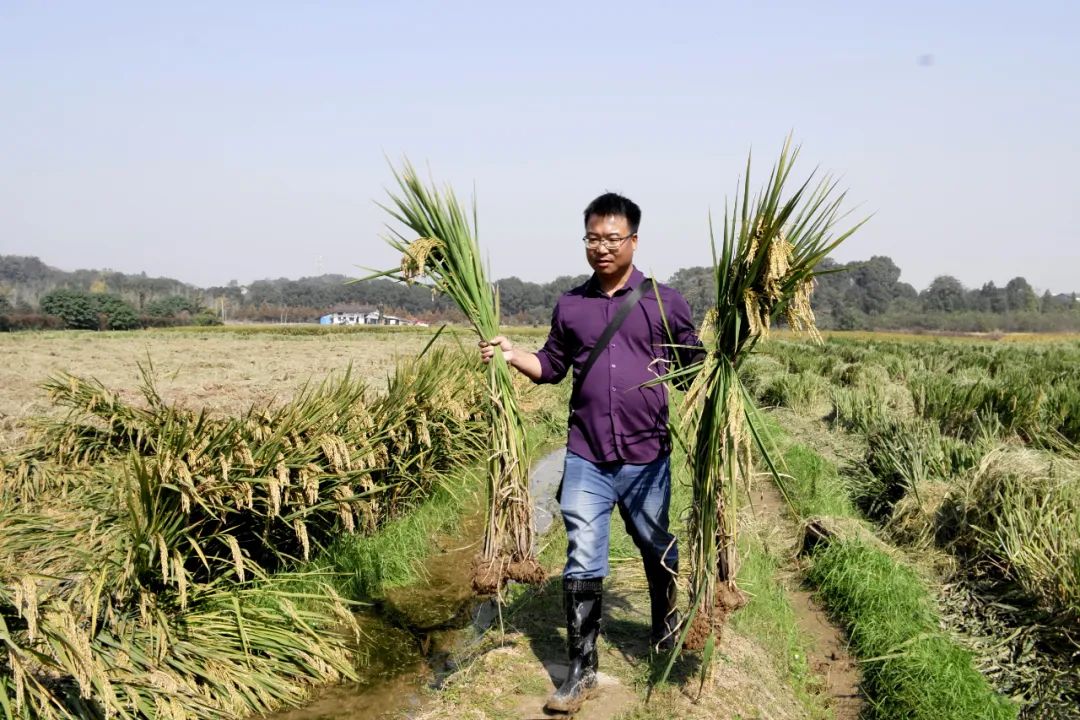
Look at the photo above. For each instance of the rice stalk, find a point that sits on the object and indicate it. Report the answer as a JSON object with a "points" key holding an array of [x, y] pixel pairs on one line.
{"points": [[442, 250], [764, 271]]}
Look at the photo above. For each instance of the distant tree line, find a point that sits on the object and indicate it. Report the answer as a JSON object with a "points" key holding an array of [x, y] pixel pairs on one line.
{"points": [[868, 295], [34, 295], [860, 295], [306, 299]]}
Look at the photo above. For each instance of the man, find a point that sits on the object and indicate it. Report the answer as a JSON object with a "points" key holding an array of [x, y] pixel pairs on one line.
{"points": [[618, 442]]}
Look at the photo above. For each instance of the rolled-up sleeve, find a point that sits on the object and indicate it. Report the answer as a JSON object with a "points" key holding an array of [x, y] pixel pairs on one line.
{"points": [[554, 356]]}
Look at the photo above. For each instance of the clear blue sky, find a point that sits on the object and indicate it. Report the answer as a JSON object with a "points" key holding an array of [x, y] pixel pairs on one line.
{"points": [[217, 141]]}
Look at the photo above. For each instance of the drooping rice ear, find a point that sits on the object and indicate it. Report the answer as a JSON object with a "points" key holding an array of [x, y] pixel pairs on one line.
{"points": [[414, 260], [799, 314]]}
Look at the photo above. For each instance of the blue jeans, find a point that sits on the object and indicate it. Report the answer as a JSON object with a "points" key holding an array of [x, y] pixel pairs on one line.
{"points": [[643, 494]]}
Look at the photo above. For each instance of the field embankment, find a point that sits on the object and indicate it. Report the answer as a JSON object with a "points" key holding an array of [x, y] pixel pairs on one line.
{"points": [[765, 664]]}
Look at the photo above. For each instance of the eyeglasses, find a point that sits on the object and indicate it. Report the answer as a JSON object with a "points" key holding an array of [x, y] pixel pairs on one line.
{"points": [[611, 242]]}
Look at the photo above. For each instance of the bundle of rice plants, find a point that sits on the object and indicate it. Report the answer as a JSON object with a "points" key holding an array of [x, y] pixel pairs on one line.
{"points": [[804, 392], [442, 248], [763, 270], [900, 458], [864, 374], [73, 650], [1020, 515]]}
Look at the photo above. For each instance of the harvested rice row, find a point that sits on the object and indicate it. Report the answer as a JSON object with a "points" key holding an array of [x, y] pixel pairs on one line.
{"points": [[144, 573]]}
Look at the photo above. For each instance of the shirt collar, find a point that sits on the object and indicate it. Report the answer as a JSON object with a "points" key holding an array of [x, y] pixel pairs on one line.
{"points": [[636, 278]]}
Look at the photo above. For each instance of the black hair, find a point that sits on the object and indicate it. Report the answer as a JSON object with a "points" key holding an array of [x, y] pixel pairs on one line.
{"points": [[617, 205]]}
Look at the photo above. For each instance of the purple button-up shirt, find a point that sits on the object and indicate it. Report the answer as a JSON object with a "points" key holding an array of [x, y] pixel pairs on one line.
{"points": [[612, 416]]}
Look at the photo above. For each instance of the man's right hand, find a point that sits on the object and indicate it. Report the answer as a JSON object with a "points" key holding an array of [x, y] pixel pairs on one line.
{"points": [[487, 348]]}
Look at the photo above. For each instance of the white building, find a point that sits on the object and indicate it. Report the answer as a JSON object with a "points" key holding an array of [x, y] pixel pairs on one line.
{"points": [[362, 316]]}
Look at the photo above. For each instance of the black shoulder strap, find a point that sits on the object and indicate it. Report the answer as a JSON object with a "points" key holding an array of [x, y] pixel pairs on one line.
{"points": [[609, 332]]}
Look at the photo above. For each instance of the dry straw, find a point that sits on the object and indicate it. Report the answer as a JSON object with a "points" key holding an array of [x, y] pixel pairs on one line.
{"points": [[442, 248], [763, 271]]}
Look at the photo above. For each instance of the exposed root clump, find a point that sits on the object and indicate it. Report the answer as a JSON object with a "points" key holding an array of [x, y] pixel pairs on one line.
{"points": [[526, 571], [711, 622], [489, 576]]}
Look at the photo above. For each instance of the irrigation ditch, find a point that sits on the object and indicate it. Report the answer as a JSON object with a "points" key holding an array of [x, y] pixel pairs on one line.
{"points": [[413, 635]]}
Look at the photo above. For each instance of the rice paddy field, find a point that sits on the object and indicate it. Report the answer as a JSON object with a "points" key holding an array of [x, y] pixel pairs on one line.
{"points": [[225, 369], [190, 520]]}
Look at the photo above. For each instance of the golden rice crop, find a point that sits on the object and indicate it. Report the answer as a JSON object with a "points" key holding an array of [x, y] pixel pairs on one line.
{"points": [[144, 570]]}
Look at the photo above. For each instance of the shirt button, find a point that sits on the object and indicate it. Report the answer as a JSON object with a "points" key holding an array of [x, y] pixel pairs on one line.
{"points": [[613, 365]]}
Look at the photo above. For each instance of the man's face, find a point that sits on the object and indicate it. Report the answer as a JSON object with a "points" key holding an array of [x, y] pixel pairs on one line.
{"points": [[613, 230]]}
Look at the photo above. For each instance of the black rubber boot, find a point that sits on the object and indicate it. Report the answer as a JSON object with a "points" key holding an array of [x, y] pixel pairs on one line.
{"points": [[582, 600], [665, 616]]}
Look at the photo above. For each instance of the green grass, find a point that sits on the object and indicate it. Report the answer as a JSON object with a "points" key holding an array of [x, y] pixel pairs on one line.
{"points": [[911, 670], [812, 483], [365, 567]]}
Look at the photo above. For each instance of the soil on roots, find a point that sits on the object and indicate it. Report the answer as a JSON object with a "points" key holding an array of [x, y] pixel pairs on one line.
{"points": [[488, 576], [711, 621], [526, 571]]}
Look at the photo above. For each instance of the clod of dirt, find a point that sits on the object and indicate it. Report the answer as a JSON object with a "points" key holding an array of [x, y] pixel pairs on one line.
{"points": [[708, 622], [699, 631], [822, 529], [488, 576], [815, 533], [526, 571]]}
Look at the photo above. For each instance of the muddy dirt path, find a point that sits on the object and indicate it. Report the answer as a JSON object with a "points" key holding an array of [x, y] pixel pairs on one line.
{"points": [[829, 656]]}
